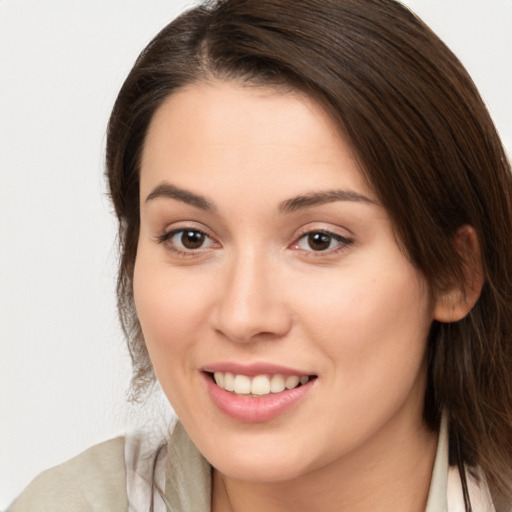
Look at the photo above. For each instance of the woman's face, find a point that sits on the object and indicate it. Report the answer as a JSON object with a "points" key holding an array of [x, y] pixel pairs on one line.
{"points": [[264, 258]]}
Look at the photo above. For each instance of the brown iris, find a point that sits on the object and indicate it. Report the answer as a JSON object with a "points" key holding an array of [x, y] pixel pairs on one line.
{"points": [[319, 241], [192, 239]]}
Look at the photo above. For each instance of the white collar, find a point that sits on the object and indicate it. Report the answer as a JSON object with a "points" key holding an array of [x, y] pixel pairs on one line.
{"points": [[445, 493]]}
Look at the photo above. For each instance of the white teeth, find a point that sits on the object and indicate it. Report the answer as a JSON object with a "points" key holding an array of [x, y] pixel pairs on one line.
{"points": [[291, 382], [219, 379], [229, 382], [242, 385], [259, 385], [277, 384], [304, 379]]}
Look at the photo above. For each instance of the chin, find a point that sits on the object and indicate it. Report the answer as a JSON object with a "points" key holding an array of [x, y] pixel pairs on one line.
{"points": [[260, 471], [262, 459]]}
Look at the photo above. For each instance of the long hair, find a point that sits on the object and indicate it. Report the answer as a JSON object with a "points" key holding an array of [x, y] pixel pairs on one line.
{"points": [[424, 141]]}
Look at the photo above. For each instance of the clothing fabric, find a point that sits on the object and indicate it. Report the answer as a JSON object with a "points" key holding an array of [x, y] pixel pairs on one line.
{"points": [[141, 474]]}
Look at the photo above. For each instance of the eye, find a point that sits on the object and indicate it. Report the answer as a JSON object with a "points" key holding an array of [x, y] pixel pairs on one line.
{"points": [[322, 241], [186, 240], [189, 239]]}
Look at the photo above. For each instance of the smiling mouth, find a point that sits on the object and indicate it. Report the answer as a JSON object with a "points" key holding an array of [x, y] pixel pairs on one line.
{"points": [[259, 385]]}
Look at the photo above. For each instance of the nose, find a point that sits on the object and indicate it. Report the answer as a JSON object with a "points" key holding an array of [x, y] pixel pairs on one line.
{"points": [[251, 302]]}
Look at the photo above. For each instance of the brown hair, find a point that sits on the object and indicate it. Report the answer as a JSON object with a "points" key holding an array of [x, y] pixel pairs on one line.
{"points": [[424, 140]]}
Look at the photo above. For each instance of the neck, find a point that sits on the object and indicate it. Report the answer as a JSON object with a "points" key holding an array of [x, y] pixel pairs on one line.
{"points": [[392, 472]]}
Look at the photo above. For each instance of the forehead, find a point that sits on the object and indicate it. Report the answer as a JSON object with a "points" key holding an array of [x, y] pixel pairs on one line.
{"points": [[224, 130]]}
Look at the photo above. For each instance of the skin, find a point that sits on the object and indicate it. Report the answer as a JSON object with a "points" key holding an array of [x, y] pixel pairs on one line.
{"points": [[356, 314]]}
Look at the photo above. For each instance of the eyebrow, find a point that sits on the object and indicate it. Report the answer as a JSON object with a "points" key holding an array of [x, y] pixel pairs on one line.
{"points": [[185, 196], [291, 205], [318, 198]]}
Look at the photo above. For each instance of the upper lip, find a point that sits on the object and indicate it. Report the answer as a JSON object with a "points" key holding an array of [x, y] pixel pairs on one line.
{"points": [[253, 369]]}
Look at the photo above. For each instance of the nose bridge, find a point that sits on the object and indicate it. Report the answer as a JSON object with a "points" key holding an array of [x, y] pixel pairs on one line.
{"points": [[250, 304]]}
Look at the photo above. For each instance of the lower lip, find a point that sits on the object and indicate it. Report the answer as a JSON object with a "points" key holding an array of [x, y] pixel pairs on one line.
{"points": [[255, 409]]}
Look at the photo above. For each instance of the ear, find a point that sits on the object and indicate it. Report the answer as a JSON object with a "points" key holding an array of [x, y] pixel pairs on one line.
{"points": [[456, 302]]}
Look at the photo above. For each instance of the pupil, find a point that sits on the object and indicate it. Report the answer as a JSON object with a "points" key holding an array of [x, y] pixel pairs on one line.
{"points": [[319, 241], [192, 239]]}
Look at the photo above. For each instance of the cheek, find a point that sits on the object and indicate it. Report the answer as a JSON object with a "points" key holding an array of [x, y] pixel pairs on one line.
{"points": [[373, 331], [372, 325], [167, 307]]}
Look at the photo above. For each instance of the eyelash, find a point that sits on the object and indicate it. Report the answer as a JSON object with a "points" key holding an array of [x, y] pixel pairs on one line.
{"points": [[343, 242], [166, 239]]}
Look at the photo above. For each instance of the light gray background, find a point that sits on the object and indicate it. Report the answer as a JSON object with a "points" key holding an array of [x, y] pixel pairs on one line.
{"points": [[63, 366]]}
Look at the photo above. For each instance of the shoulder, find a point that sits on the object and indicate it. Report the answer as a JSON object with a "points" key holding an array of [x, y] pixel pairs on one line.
{"points": [[93, 481]]}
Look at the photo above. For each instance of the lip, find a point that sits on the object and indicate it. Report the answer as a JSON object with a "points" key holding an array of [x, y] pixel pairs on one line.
{"points": [[256, 409], [254, 369]]}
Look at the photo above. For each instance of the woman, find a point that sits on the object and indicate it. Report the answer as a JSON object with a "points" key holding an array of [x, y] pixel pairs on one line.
{"points": [[315, 216]]}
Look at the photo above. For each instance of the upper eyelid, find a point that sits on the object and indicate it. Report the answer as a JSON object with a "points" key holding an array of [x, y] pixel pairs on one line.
{"points": [[186, 225], [315, 227], [333, 234]]}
